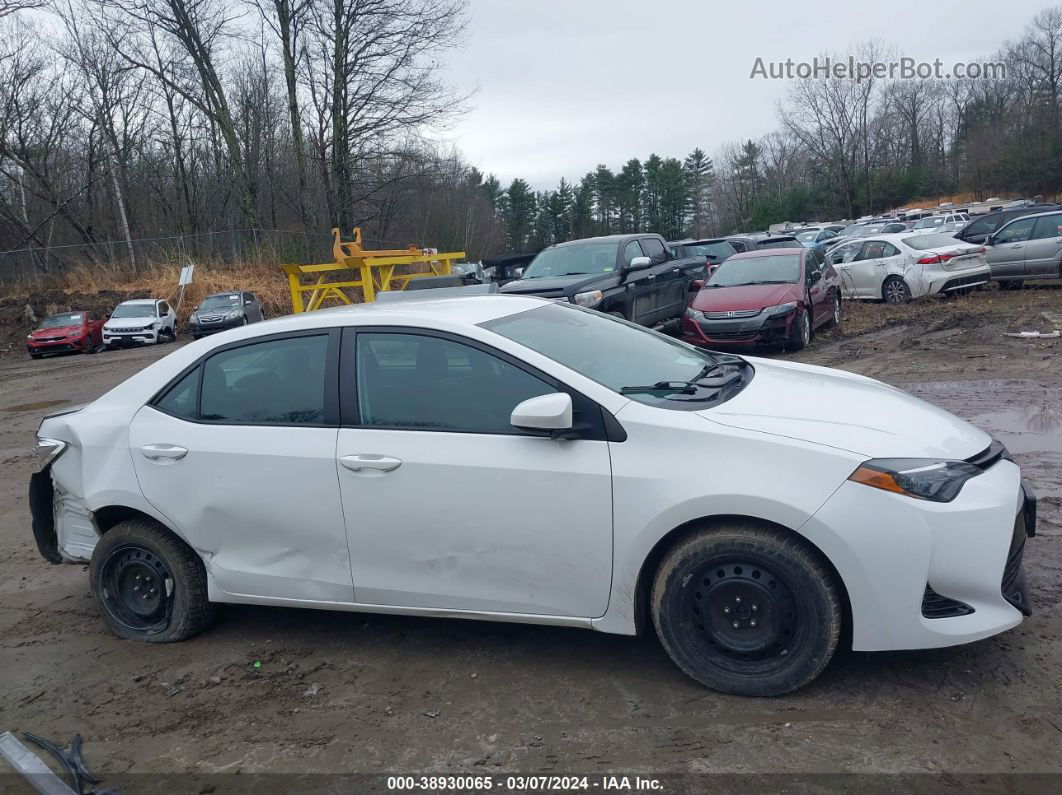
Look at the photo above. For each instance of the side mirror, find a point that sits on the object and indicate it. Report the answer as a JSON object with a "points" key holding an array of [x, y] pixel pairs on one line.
{"points": [[518, 272], [552, 412], [990, 239], [696, 285]]}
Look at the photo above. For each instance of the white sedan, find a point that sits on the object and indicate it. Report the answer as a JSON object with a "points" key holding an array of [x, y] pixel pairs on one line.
{"points": [[513, 459], [896, 268]]}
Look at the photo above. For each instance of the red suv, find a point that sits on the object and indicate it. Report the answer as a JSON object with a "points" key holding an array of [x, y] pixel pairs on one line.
{"points": [[70, 331], [766, 297]]}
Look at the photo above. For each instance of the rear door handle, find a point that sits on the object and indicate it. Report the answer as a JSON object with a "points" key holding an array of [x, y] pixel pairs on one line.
{"points": [[357, 463], [155, 452]]}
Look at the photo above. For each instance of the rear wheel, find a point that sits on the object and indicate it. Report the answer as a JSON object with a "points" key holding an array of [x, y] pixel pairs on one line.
{"points": [[747, 610], [149, 584], [36, 355], [895, 291], [835, 314]]}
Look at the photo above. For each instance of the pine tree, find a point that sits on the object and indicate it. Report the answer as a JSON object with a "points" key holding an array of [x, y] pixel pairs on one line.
{"points": [[700, 177], [629, 186], [604, 198], [582, 211], [518, 214]]}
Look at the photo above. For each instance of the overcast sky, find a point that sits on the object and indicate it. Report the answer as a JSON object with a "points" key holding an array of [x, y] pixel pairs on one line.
{"points": [[566, 84]]}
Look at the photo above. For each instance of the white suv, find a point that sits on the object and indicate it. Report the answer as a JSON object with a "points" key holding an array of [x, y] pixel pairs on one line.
{"points": [[143, 321], [513, 459]]}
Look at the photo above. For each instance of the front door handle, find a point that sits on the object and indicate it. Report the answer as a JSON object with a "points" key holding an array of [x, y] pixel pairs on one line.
{"points": [[155, 452], [1016, 245], [357, 463]]}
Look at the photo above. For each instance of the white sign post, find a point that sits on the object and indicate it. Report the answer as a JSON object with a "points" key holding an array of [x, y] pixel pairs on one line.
{"points": [[185, 280]]}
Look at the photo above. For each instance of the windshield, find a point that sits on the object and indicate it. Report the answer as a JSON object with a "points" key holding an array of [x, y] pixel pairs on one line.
{"points": [[719, 250], [929, 223], [133, 310], [574, 260], [781, 269], [220, 302], [807, 237], [57, 321], [642, 364], [931, 240]]}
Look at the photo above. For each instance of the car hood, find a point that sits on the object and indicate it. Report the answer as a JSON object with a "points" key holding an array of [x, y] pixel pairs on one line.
{"points": [[553, 284], [129, 322], [55, 331], [749, 296], [846, 411]]}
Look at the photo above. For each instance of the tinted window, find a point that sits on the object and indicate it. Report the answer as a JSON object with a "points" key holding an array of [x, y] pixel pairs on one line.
{"points": [[873, 249], [890, 250], [428, 383], [180, 400], [1016, 232], [278, 381], [630, 251], [719, 250], [1048, 226], [739, 246], [249, 297], [982, 226], [654, 249], [164, 308]]}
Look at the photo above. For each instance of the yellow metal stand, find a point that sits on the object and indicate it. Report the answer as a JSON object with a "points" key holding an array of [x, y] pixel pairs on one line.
{"points": [[375, 272]]}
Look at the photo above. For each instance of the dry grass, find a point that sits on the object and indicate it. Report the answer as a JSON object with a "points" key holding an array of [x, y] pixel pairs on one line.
{"points": [[966, 197]]}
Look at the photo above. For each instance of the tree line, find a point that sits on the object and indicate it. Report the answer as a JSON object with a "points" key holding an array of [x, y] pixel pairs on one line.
{"points": [[129, 119]]}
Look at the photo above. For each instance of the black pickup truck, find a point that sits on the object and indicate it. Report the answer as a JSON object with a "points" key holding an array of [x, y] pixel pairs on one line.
{"points": [[631, 276]]}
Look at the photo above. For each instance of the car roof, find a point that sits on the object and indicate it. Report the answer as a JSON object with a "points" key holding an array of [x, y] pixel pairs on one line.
{"points": [[601, 239], [462, 309], [223, 292], [140, 301]]}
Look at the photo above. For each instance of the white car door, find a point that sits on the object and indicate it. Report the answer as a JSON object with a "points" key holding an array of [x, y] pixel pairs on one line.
{"points": [[876, 260], [450, 507], [841, 258], [239, 456]]}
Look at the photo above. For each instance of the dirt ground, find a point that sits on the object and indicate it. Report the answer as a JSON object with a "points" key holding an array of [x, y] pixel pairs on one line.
{"points": [[349, 693]]}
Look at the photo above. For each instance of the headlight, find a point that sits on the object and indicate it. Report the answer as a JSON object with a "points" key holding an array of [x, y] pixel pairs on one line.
{"points": [[193, 318], [47, 450], [696, 314], [235, 313], [149, 326], [781, 309], [923, 478], [589, 298]]}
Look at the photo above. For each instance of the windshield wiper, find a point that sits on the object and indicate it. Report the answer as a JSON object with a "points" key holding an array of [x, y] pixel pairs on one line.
{"points": [[698, 382]]}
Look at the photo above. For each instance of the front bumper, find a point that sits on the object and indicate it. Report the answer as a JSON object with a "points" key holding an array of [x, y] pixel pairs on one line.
{"points": [[203, 329], [126, 339], [56, 346], [759, 329], [893, 552]]}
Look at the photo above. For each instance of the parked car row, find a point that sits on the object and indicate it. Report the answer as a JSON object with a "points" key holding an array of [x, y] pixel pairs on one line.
{"points": [[145, 321]]}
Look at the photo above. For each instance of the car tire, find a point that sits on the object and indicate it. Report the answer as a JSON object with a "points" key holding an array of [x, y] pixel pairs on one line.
{"points": [[36, 355], [778, 591], [800, 334], [836, 315], [894, 290], [149, 584]]}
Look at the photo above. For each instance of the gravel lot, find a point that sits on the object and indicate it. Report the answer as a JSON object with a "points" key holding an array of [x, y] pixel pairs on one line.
{"points": [[349, 693]]}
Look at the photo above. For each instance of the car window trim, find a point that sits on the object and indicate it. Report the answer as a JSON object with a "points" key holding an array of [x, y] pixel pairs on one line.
{"points": [[604, 427], [331, 379]]}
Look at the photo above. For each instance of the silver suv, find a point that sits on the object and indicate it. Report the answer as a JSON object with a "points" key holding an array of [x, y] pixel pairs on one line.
{"points": [[1029, 247]]}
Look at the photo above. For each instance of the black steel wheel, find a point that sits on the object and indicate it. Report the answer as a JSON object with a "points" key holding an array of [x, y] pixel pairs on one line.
{"points": [[149, 584], [747, 609], [136, 588]]}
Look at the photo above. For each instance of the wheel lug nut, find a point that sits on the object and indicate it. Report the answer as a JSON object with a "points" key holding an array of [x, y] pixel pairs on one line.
{"points": [[737, 600], [752, 623], [726, 610], [736, 625], [755, 607]]}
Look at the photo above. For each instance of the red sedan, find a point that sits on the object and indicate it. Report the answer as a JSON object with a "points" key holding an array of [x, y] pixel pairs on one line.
{"points": [[766, 297], [70, 331]]}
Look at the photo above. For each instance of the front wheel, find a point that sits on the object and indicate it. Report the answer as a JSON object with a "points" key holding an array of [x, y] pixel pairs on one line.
{"points": [[895, 291], [149, 584], [747, 610], [800, 334]]}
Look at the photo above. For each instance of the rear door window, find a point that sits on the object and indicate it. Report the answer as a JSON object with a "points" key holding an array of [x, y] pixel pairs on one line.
{"points": [[276, 382], [1048, 226]]}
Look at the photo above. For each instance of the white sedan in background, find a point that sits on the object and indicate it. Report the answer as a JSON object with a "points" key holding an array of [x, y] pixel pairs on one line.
{"points": [[513, 459], [897, 268]]}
